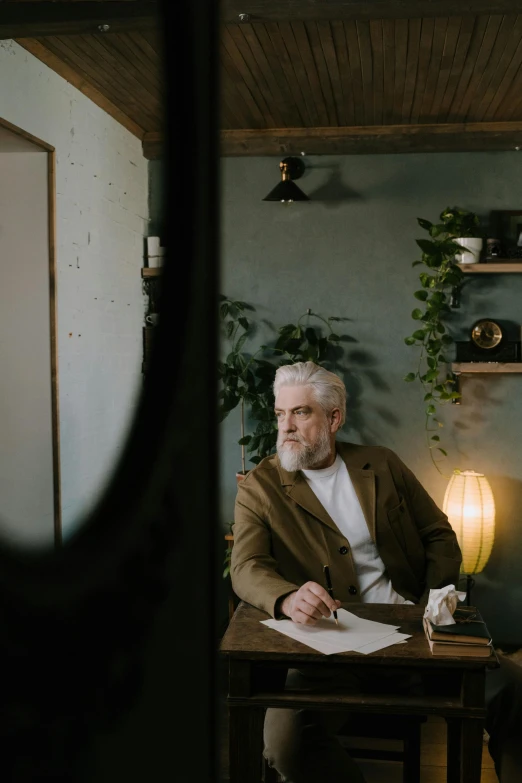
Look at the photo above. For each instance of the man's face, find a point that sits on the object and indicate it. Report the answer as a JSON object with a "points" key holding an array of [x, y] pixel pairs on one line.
{"points": [[306, 435]]}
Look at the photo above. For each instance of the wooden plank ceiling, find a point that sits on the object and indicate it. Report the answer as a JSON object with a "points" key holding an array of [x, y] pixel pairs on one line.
{"points": [[326, 76], [371, 85]]}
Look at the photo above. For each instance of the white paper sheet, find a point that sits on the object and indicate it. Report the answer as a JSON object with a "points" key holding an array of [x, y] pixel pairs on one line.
{"points": [[387, 641], [352, 633]]}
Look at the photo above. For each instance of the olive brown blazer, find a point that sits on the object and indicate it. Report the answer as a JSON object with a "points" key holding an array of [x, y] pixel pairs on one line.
{"points": [[283, 536]]}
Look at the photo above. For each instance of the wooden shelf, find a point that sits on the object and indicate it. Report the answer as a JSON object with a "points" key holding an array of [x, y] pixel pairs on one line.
{"points": [[495, 268], [486, 367], [153, 271]]}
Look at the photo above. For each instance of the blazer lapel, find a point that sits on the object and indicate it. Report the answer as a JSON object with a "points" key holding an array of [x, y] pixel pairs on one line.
{"points": [[297, 488]]}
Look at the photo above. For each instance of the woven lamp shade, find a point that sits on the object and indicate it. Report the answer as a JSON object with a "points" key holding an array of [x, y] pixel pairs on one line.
{"points": [[470, 507]]}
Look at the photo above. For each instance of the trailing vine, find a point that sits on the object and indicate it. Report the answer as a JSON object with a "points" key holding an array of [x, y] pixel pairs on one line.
{"points": [[431, 336]]}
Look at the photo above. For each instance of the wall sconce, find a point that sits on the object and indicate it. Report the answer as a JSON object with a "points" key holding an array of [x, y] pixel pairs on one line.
{"points": [[287, 191], [470, 507]]}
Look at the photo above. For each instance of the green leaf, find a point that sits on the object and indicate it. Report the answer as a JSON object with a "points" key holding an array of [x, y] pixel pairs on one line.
{"points": [[435, 437], [428, 247], [229, 328], [419, 334], [416, 263], [241, 342], [245, 323], [425, 224], [409, 340], [443, 452], [431, 362], [311, 336], [422, 295], [431, 375], [417, 314], [223, 310], [245, 441], [446, 339], [334, 338], [430, 410], [410, 377], [428, 396]]}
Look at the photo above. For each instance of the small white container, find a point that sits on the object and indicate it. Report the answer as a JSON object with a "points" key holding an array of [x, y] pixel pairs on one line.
{"points": [[155, 261], [471, 254]]}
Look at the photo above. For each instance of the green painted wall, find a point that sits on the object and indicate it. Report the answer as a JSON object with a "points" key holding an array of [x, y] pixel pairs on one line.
{"points": [[348, 252]]}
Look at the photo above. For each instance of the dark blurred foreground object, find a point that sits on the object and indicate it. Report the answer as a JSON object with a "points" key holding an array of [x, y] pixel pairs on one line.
{"points": [[107, 644]]}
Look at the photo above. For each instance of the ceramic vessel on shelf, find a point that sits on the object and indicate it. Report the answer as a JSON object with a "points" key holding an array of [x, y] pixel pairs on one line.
{"points": [[471, 250]]}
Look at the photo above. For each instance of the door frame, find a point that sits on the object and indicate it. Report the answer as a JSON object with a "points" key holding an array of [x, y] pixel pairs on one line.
{"points": [[55, 408]]}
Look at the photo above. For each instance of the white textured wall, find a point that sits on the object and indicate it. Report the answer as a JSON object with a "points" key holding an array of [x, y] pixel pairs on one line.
{"points": [[101, 182]]}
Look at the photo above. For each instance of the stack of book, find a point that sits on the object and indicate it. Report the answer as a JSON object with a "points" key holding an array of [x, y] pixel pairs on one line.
{"points": [[468, 636]]}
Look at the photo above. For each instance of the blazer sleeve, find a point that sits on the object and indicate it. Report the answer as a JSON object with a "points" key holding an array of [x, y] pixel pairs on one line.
{"points": [[254, 573], [443, 555]]}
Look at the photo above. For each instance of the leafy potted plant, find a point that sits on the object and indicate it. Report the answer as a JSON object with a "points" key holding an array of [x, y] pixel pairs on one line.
{"points": [[299, 342], [465, 228], [437, 283], [247, 379], [236, 372]]}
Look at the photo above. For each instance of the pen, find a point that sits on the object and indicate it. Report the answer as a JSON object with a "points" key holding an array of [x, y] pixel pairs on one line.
{"points": [[330, 589]]}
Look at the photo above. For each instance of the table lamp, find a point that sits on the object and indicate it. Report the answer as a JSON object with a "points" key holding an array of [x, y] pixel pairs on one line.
{"points": [[470, 507]]}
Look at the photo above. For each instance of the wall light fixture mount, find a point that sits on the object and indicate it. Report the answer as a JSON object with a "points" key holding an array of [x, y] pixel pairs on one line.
{"points": [[286, 191]]}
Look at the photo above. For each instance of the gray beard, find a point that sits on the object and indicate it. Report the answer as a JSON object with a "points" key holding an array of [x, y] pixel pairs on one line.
{"points": [[307, 456]]}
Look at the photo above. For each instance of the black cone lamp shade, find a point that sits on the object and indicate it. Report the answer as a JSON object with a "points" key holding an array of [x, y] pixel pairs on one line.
{"points": [[287, 191]]}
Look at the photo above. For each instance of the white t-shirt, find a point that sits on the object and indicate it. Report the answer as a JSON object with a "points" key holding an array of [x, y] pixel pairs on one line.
{"points": [[334, 489]]}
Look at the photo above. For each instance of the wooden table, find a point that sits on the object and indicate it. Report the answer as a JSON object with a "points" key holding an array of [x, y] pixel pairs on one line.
{"points": [[259, 658]]}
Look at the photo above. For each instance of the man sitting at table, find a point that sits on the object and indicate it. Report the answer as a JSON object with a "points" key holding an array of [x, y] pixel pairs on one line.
{"points": [[362, 512]]}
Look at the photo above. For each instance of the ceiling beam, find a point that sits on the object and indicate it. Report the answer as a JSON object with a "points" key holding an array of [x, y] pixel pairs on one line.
{"points": [[153, 145], [371, 139], [308, 10], [39, 19]]}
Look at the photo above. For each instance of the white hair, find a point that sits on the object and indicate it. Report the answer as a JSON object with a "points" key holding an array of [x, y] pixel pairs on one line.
{"points": [[329, 390]]}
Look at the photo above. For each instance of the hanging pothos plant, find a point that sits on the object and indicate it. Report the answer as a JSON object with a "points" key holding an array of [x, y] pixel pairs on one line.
{"points": [[431, 336]]}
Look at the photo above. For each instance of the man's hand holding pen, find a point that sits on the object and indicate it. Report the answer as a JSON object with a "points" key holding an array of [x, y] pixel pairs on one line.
{"points": [[309, 604]]}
